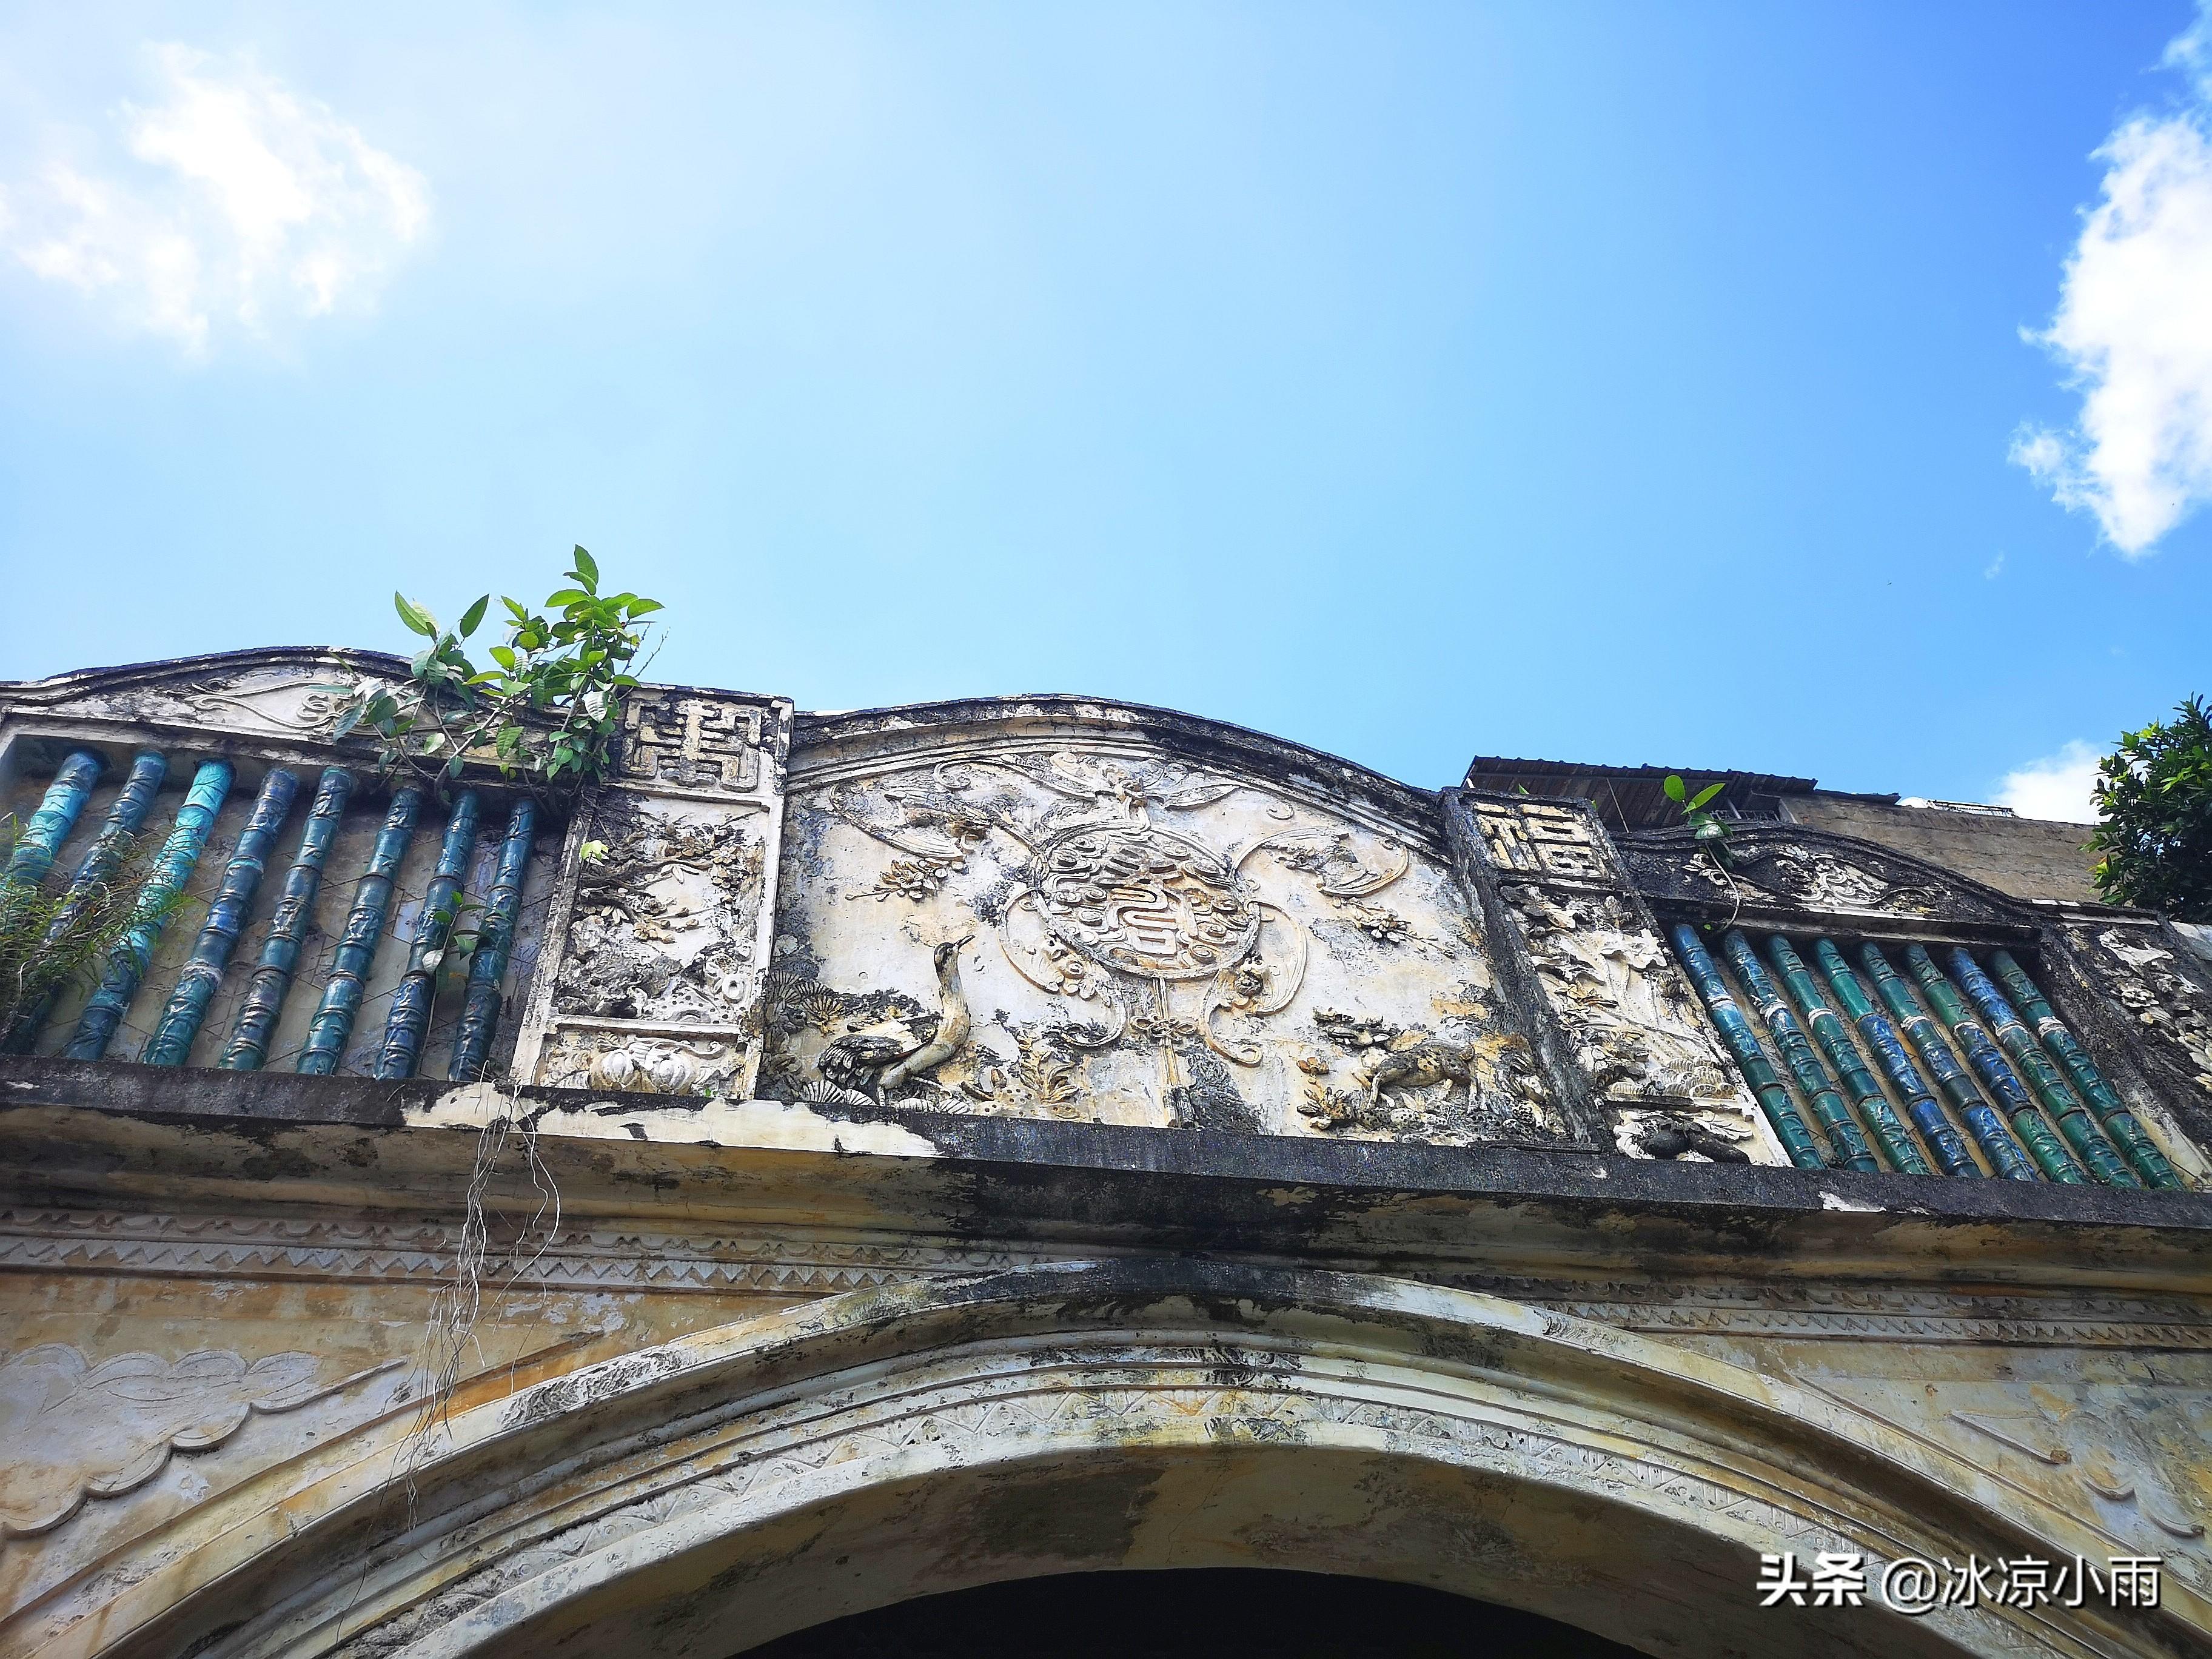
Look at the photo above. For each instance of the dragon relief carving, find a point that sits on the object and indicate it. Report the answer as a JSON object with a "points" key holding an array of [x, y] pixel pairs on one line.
{"points": [[663, 923], [1149, 936]]}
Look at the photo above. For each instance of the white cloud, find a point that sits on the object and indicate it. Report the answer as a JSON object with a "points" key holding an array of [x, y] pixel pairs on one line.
{"points": [[2063, 786], [2134, 328], [250, 206]]}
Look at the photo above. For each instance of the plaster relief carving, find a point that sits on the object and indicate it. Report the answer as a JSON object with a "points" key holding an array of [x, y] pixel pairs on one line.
{"points": [[636, 1063], [71, 1430], [1532, 839], [2101, 1466], [1146, 934], [301, 697], [718, 746], [1636, 1030], [2169, 1009], [1409, 1086], [1780, 865], [664, 918], [864, 1063]]}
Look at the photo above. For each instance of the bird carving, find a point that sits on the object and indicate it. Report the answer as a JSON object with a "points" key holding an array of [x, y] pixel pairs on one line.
{"points": [[862, 1058]]}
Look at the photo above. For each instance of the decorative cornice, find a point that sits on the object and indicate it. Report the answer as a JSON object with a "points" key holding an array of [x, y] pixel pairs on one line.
{"points": [[422, 1252]]}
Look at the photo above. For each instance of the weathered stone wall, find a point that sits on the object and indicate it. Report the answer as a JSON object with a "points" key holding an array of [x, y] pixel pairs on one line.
{"points": [[1043, 1134]]}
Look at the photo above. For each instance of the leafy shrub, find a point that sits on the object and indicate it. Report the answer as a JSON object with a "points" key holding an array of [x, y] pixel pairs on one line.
{"points": [[2154, 816], [546, 709]]}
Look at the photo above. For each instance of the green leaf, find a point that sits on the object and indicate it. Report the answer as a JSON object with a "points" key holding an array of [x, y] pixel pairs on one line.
{"points": [[417, 619], [587, 568], [474, 614], [567, 597], [1677, 791], [642, 607], [346, 723], [503, 657], [1707, 793]]}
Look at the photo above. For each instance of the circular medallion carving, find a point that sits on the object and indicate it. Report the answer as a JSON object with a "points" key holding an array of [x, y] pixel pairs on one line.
{"points": [[1145, 901]]}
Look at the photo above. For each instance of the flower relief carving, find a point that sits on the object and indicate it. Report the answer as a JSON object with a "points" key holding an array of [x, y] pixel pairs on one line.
{"points": [[663, 922], [71, 1430], [1148, 927], [1635, 1029]]}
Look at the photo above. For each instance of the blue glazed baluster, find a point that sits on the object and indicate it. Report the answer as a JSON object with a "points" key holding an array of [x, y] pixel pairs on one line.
{"points": [[172, 868], [1944, 1139], [202, 974], [1988, 1060], [1782, 1114], [2119, 1123], [480, 1011], [51, 825], [2097, 1154], [409, 1018], [332, 1026], [248, 1047], [126, 815], [1853, 1151], [1890, 1135], [1980, 1118]]}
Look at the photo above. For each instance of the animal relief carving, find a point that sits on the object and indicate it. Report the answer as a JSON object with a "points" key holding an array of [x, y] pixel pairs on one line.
{"points": [[1148, 929]]}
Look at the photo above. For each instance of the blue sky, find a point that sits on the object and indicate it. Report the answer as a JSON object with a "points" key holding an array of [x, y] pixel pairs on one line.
{"points": [[1620, 382]]}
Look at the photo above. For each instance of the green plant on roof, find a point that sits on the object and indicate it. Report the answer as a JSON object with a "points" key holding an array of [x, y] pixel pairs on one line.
{"points": [[544, 711]]}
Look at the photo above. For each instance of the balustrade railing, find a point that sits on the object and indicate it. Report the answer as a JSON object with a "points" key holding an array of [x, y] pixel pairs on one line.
{"points": [[411, 966], [2015, 1094]]}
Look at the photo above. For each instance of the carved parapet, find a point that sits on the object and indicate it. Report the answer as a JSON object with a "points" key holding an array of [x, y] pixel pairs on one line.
{"points": [[664, 906], [1628, 1028]]}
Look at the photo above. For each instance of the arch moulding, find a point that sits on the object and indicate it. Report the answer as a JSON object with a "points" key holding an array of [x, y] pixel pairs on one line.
{"points": [[714, 1492]]}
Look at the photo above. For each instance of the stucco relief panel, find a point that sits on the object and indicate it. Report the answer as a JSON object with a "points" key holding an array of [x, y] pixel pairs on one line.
{"points": [[1118, 936]]}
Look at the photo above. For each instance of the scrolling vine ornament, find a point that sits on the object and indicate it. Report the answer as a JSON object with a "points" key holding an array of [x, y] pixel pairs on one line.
{"points": [[1160, 932]]}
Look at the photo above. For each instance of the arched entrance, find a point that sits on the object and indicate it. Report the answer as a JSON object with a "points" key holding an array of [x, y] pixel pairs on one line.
{"points": [[721, 1491], [1201, 1614]]}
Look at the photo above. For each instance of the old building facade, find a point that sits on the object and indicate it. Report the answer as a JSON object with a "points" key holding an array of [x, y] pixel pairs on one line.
{"points": [[849, 1157]]}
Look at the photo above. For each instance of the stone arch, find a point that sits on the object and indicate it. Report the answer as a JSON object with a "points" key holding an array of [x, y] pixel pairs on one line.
{"points": [[721, 1490]]}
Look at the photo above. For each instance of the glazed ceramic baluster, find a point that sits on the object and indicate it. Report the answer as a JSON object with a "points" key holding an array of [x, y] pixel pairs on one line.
{"points": [[410, 1018], [480, 1010], [172, 868], [1942, 1136], [2098, 1154], [1853, 1151], [1750, 1055], [2119, 1123], [50, 826], [234, 901], [126, 815], [332, 1026], [1989, 1063], [1835, 1040], [250, 1033], [1982, 1120]]}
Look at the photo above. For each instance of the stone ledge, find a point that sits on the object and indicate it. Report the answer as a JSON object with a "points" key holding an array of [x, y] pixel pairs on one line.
{"points": [[74, 1132]]}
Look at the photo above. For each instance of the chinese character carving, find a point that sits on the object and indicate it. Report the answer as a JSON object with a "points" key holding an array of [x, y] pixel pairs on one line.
{"points": [[694, 742]]}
